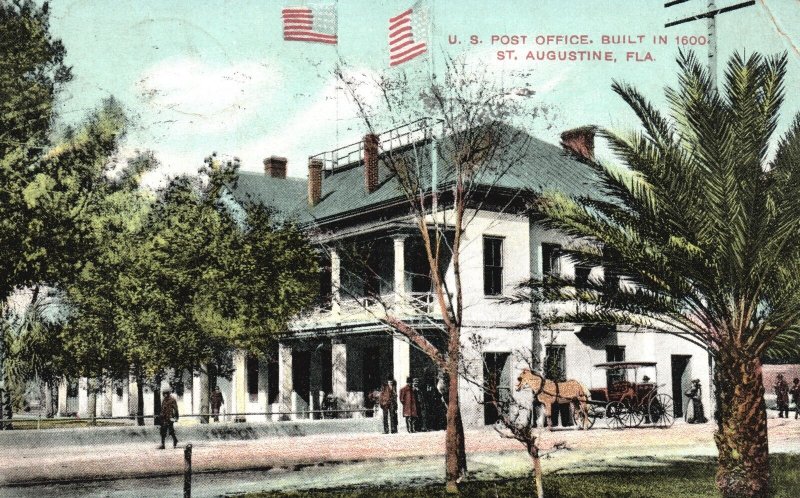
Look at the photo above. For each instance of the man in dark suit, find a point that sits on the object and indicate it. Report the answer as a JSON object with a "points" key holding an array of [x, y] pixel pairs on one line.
{"points": [[169, 415]]}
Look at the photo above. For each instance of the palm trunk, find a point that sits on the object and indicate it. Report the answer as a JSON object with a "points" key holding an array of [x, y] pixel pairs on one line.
{"points": [[741, 435]]}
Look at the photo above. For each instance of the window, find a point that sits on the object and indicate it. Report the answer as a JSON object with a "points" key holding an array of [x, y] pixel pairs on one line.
{"points": [[551, 259], [492, 266], [615, 353], [252, 378], [582, 276], [555, 363]]}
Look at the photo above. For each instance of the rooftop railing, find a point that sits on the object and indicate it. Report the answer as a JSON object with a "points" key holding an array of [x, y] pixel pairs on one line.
{"points": [[395, 138]]}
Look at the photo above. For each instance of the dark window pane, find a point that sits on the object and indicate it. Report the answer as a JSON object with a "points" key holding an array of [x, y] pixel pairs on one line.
{"points": [[614, 353], [555, 363], [550, 259], [582, 276], [492, 266], [252, 378]]}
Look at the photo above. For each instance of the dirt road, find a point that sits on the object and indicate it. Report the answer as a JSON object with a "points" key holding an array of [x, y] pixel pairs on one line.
{"points": [[317, 460]]}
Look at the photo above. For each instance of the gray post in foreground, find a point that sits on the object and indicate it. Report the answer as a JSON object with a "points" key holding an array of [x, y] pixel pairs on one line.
{"points": [[187, 471]]}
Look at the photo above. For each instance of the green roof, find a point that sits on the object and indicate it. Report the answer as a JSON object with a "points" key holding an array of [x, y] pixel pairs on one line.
{"points": [[537, 167]]}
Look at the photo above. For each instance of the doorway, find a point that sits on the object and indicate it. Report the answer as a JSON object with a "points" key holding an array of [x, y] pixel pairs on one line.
{"points": [[301, 380], [681, 381], [497, 378]]}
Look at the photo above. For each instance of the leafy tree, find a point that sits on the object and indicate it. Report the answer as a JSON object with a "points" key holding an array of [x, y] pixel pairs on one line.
{"points": [[32, 70], [702, 225], [209, 280]]}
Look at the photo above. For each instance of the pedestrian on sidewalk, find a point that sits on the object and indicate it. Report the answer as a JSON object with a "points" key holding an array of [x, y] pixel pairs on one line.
{"points": [[695, 394], [795, 392], [387, 399], [782, 395], [410, 406], [169, 415], [216, 402]]}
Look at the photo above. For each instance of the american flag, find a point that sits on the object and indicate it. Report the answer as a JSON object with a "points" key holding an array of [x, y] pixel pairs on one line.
{"points": [[310, 24], [407, 33]]}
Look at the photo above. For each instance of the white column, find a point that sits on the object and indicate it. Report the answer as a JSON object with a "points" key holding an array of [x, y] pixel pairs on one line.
{"points": [[239, 390], [336, 281], [401, 358], [400, 270], [188, 395], [339, 370], [83, 397], [62, 397], [196, 386], [107, 406], [285, 384]]}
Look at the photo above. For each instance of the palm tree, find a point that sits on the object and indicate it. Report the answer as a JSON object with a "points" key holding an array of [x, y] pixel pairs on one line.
{"points": [[702, 227]]}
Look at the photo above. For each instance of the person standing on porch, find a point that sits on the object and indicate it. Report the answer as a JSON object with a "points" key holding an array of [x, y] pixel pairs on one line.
{"points": [[782, 395], [408, 398], [387, 400]]}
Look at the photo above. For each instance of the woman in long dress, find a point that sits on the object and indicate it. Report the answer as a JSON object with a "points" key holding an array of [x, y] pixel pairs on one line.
{"points": [[696, 395]]}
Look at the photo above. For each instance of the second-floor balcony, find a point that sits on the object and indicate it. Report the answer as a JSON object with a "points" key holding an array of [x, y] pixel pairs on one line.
{"points": [[413, 306], [365, 280]]}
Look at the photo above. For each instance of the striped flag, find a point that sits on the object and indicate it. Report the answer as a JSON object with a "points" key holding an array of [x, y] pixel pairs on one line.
{"points": [[408, 32], [310, 24]]}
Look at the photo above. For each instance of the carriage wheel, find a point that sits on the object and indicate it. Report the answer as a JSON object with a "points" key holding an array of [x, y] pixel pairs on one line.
{"points": [[633, 415], [660, 410], [591, 416], [614, 414]]}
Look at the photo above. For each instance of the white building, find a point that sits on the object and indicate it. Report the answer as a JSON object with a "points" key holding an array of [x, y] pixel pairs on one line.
{"points": [[372, 259]]}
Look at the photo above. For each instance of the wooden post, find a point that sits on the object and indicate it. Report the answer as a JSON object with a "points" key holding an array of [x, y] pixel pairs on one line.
{"points": [[187, 471]]}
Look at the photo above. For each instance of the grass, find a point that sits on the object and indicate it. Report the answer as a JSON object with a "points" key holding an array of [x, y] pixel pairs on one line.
{"points": [[45, 423], [685, 478]]}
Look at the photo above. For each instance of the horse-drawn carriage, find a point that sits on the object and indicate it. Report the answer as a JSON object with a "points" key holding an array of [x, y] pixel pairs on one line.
{"points": [[627, 401]]}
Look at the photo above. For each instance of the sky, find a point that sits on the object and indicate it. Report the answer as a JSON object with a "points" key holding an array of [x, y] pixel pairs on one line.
{"points": [[203, 76]]}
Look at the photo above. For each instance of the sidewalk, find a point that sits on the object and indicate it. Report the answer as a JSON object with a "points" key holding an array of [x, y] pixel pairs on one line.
{"points": [[65, 463]]}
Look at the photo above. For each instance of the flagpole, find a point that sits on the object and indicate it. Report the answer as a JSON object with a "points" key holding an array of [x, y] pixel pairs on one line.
{"points": [[434, 144]]}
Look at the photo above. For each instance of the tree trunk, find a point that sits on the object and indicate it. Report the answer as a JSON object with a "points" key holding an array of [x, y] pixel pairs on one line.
{"points": [[741, 436], [91, 391], [205, 389], [50, 401], [533, 451], [455, 454], [157, 401], [139, 399]]}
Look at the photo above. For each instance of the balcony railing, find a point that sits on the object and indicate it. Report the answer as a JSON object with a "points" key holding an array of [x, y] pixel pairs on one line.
{"points": [[370, 308]]}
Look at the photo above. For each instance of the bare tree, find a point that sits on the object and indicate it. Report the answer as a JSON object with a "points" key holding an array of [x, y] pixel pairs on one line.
{"points": [[448, 165]]}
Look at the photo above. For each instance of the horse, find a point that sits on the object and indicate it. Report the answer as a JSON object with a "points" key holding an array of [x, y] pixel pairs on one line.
{"points": [[548, 392]]}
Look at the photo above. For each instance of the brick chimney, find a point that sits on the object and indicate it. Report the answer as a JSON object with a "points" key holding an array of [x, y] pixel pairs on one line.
{"points": [[314, 181], [580, 141], [371, 143], [275, 166]]}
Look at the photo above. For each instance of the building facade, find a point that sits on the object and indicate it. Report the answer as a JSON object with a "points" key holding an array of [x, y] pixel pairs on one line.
{"points": [[334, 356]]}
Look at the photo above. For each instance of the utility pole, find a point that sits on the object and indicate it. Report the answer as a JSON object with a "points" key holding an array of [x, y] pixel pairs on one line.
{"points": [[710, 15]]}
